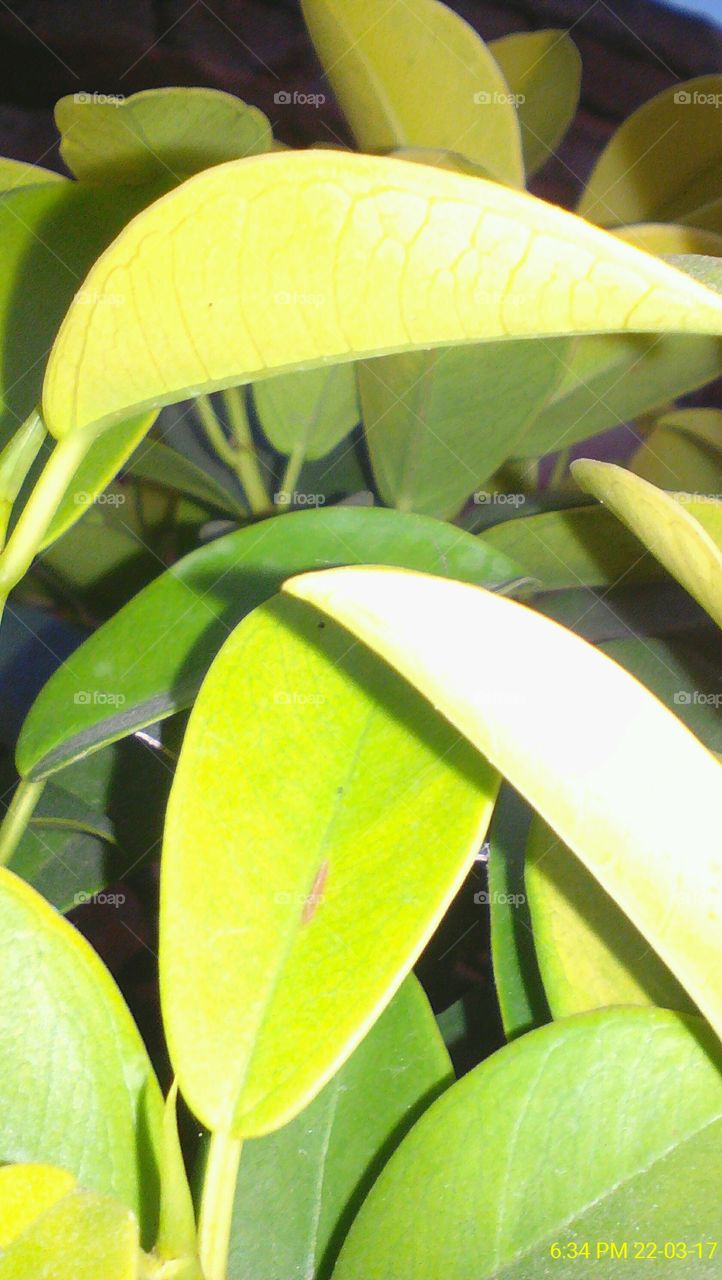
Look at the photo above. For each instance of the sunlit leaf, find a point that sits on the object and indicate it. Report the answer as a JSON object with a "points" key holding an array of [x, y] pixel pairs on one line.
{"points": [[568, 728], [81, 1237], [683, 531], [302, 749], [16, 173], [412, 73], [26, 1192], [446, 259]]}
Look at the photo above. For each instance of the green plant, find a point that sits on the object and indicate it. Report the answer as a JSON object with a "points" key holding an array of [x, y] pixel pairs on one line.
{"points": [[351, 729]]}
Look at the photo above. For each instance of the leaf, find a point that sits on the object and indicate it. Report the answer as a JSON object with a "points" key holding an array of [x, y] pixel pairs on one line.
{"points": [[438, 425], [519, 989], [299, 224], [299, 1189], [671, 238], [158, 133], [112, 686], [543, 70], [26, 1192], [663, 161], [259, 953], [589, 953], [158, 464], [94, 821], [63, 1022], [683, 451], [311, 412], [80, 1238], [602, 1093], [684, 533], [568, 730], [16, 173], [578, 546], [445, 90]]}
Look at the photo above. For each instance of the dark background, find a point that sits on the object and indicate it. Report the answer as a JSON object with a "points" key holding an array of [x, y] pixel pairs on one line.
{"points": [[631, 49]]}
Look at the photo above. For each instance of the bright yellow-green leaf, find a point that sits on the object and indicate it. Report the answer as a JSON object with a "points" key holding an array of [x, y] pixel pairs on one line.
{"points": [[590, 955], [568, 727], [683, 531], [321, 819], [63, 1022], [543, 70], [26, 1192], [377, 255], [683, 451], [309, 411], [158, 133], [412, 73], [15, 173], [663, 162], [82, 1237]]}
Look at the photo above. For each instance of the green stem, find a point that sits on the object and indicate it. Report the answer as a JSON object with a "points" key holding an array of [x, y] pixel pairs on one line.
{"points": [[18, 814], [216, 436], [293, 469], [216, 1214], [36, 518], [560, 467], [248, 467], [16, 460]]}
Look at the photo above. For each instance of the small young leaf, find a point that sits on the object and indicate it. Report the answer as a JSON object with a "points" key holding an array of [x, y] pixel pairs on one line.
{"points": [[159, 133], [448, 259], [316, 782], [543, 71], [110, 689], [568, 1135], [300, 1188], [568, 728], [446, 90], [663, 161], [684, 532], [99, 1113]]}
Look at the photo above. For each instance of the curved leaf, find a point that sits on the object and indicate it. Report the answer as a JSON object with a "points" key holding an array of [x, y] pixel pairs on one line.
{"points": [[447, 259], [310, 412], [16, 173], [63, 1021], [590, 955], [568, 730], [684, 532], [543, 70], [683, 451], [109, 688], [663, 161], [263, 944], [438, 425], [80, 1238], [158, 133], [299, 1189], [579, 1132], [445, 91], [580, 546]]}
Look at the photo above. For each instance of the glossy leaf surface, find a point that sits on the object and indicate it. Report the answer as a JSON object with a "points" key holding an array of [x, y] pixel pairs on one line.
{"points": [[300, 750]]}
